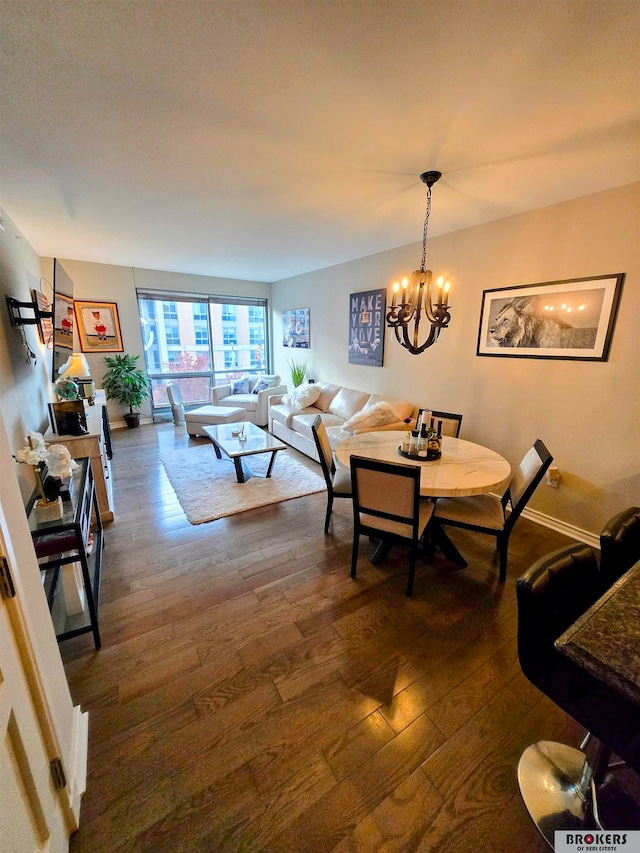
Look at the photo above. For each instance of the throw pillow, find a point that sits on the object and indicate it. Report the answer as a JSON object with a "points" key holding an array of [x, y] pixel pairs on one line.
{"points": [[261, 385], [380, 414], [240, 386], [301, 397]]}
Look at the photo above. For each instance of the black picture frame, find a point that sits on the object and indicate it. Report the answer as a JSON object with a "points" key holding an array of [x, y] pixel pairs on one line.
{"points": [[367, 312], [569, 319], [67, 417]]}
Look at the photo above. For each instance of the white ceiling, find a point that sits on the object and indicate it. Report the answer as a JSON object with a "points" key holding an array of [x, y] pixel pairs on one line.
{"points": [[259, 139]]}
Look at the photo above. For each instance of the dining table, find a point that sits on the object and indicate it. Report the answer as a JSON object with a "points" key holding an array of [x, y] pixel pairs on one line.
{"points": [[463, 469]]}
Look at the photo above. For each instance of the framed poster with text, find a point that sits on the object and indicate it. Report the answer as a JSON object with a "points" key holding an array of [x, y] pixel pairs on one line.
{"points": [[367, 312]]}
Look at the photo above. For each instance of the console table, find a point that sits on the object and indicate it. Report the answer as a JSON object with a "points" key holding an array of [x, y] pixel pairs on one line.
{"points": [[97, 446], [63, 544]]}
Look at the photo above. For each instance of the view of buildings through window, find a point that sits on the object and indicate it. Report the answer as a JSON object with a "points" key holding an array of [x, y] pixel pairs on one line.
{"points": [[199, 344]]}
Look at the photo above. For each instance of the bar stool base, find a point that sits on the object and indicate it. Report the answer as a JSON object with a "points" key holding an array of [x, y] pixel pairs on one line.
{"points": [[550, 776]]}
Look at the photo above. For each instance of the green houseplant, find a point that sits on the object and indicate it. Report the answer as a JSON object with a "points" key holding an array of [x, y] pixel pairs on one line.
{"points": [[298, 371], [125, 382]]}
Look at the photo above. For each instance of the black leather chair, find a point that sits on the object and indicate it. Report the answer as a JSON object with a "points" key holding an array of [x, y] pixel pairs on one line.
{"points": [[555, 781], [619, 545]]}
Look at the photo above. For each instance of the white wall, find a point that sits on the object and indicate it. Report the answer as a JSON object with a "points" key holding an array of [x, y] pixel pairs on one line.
{"points": [[588, 413], [25, 389]]}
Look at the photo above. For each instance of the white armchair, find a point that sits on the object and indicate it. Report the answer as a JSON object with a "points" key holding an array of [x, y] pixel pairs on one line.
{"points": [[255, 405]]}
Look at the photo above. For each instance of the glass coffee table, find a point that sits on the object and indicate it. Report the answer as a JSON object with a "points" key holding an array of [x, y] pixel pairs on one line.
{"points": [[255, 441]]}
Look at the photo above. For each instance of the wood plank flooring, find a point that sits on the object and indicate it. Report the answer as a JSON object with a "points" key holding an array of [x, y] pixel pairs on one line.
{"points": [[250, 696]]}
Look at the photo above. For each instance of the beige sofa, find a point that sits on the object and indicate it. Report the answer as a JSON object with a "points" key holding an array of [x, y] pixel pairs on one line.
{"points": [[256, 406], [335, 405]]}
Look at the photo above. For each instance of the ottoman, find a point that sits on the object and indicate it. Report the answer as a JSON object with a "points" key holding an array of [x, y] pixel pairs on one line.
{"points": [[211, 415]]}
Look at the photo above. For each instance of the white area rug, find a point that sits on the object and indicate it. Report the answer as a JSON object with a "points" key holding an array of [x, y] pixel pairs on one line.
{"points": [[207, 487]]}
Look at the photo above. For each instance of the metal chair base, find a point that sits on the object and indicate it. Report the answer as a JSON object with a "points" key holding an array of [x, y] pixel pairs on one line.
{"points": [[555, 787]]}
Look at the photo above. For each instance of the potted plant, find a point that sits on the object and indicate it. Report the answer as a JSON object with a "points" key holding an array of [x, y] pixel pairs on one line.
{"points": [[298, 371], [126, 383]]}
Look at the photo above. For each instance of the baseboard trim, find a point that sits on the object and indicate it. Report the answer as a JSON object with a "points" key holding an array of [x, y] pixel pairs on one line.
{"points": [[562, 527]]}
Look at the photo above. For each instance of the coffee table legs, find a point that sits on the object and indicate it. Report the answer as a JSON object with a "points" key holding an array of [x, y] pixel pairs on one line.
{"points": [[243, 470]]}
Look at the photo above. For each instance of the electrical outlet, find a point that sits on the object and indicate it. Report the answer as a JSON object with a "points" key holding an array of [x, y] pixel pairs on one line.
{"points": [[553, 477]]}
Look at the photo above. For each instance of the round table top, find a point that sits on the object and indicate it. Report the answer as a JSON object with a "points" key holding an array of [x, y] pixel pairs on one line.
{"points": [[463, 469]]}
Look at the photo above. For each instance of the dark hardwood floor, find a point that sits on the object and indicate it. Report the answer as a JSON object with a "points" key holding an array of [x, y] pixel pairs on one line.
{"points": [[250, 696]]}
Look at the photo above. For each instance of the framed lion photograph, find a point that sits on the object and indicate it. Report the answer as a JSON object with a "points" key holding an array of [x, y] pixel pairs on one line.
{"points": [[572, 319]]}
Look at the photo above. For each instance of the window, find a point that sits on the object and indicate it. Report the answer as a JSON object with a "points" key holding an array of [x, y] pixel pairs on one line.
{"points": [[201, 336], [169, 311], [172, 334], [200, 340], [228, 313], [256, 335]]}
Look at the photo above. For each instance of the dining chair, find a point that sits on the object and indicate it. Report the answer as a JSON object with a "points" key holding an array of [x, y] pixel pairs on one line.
{"points": [[338, 481], [488, 513], [451, 422], [619, 545], [387, 506]]}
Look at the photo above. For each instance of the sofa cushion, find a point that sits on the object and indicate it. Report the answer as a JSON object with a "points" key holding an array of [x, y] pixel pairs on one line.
{"points": [[302, 397], [347, 402], [402, 408], [327, 393], [248, 402], [301, 423], [379, 414], [283, 414]]}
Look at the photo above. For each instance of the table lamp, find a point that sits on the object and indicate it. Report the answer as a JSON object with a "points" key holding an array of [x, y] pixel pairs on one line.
{"points": [[77, 368]]}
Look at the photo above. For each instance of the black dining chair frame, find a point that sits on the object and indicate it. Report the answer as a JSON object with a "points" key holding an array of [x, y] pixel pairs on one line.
{"points": [[502, 536], [410, 472]]}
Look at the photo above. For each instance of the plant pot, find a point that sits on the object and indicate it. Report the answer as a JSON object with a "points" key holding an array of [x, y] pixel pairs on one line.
{"points": [[132, 419]]}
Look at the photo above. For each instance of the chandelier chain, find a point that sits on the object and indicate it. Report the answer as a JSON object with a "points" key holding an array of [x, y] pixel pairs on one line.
{"points": [[423, 265]]}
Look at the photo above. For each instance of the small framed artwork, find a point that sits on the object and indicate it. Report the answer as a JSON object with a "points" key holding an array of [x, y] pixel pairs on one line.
{"points": [[68, 417], [98, 326], [572, 319], [366, 327], [295, 328], [45, 324]]}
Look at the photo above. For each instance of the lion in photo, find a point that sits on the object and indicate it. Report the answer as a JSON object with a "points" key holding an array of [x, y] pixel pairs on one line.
{"points": [[519, 325]]}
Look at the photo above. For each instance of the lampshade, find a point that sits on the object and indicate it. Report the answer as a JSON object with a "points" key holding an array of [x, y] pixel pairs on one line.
{"points": [[76, 366]]}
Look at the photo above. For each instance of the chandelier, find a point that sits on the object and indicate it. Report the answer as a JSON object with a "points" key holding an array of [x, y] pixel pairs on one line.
{"points": [[411, 299]]}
